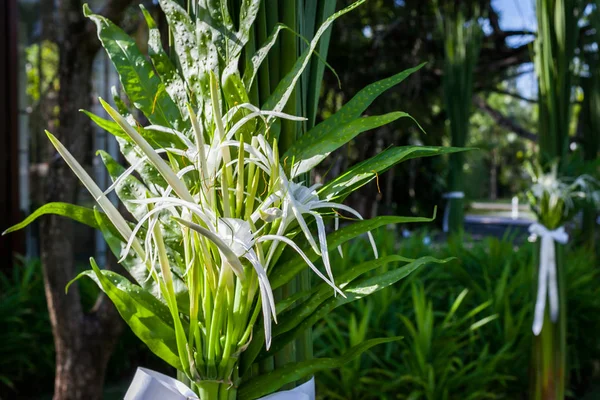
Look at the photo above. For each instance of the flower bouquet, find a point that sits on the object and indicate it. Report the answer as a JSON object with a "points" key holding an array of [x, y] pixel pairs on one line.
{"points": [[555, 200], [223, 212]]}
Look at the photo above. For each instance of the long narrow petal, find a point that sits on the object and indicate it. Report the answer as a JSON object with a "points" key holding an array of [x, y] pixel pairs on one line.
{"points": [[129, 171], [324, 204], [304, 257], [303, 225], [160, 164], [323, 243]]}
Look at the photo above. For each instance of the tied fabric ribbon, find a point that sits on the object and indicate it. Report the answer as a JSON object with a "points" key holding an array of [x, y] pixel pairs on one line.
{"points": [[547, 282], [449, 196], [152, 385]]}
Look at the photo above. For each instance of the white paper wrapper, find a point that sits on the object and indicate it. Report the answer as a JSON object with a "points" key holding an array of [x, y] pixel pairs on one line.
{"points": [[152, 385]]}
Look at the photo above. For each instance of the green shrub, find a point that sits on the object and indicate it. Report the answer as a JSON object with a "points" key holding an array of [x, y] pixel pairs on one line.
{"points": [[466, 324]]}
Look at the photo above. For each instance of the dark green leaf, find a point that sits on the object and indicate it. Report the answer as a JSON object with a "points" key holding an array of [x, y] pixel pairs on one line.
{"points": [[364, 172], [359, 103]]}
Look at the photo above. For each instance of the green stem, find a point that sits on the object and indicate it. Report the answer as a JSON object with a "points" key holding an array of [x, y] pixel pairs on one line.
{"points": [[549, 348]]}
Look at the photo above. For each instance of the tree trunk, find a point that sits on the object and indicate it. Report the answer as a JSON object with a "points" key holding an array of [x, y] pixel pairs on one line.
{"points": [[83, 340]]}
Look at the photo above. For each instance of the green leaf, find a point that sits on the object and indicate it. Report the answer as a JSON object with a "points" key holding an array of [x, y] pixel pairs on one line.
{"points": [[186, 48], [355, 290], [321, 292], [275, 380], [359, 103], [315, 146], [143, 87], [80, 214], [165, 69], [364, 172], [288, 267], [109, 126], [147, 317]]}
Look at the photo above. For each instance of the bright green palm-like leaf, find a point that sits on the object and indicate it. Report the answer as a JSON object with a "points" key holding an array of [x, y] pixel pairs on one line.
{"points": [[80, 214], [312, 148], [359, 103], [272, 381], [357, 289], [147, 317], [363, 172]]}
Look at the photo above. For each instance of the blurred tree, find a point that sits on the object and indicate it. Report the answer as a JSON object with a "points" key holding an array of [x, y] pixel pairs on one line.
{"points": [[83, 341], [383, 37], [462, 43]]}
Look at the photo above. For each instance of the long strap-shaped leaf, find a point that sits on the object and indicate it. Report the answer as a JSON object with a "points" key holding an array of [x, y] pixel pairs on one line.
{"points": [[355, 290], [80, 214], [314, 147], [353, 109], [143, 87], [272, 381], [364, 172]]}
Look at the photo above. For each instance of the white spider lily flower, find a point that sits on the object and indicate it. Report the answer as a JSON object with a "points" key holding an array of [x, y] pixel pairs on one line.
{"points": [[270, 214], [235, 240], [298, 200]]}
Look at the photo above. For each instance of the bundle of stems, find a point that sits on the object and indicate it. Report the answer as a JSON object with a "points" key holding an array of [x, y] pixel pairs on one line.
{"points": [[462, 42], [554, 50]]}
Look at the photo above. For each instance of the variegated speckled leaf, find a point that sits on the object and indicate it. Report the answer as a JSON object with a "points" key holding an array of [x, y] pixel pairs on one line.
{"points": [[164, 67], [184, 43], [143, 87]]}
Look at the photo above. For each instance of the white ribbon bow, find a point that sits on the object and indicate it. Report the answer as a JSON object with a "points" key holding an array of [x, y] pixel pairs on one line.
{"points": [[450, 195], [547, 283], [152, 385]]}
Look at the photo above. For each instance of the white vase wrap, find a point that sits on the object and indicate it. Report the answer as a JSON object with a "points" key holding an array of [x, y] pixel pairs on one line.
{"points": [[152, 385], [449, 196], [547, 281]]}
